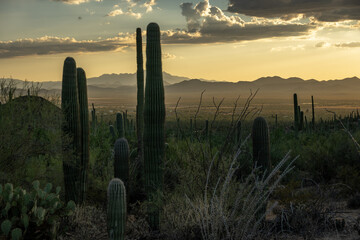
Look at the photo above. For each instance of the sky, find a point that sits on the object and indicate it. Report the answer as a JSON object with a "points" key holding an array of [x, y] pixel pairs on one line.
{"points": [[228, 40]]}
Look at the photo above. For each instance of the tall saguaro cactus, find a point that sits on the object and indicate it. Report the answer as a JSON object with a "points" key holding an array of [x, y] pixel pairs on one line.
{"points": [[116, 209], [84, 121], [154, 120], [71, 128], [261, 143]]}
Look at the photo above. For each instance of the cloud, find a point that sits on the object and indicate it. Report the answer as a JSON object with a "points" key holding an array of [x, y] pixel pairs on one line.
{"points": [[348, 45], [300, 47], [118, 12], [149, 5], [115, 13], [321, 10], [209, 24], [322, 45], [73, 1], [54, 45], [168, 56], [76, 2]]}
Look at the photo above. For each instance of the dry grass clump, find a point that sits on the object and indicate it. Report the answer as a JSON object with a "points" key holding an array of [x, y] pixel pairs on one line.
{"points": [[90, 223], [236, 210]]}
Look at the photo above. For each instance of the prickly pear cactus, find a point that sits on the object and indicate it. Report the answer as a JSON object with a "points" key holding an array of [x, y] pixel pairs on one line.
{"points": [[116, 209]]}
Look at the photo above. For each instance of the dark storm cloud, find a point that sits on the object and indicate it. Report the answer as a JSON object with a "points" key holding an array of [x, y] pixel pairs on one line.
{"points": [[54, 45], [209, 24], [322, 10]]}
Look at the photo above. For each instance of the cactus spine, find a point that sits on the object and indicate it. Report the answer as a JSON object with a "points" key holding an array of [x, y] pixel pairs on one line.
{"points": [[71, 127], [261, 143], [154, 120], [116, 209], [120, 125], [121, 162], [84, 121]]}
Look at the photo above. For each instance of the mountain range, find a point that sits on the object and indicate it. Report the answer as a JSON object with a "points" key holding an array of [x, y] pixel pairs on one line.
{"points": [[124, 85]]}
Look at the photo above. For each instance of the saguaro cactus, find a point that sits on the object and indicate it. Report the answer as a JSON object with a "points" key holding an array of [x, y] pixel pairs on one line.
{"points": [[313, 112], [154, 120], [93, 118], [84, 121], [116, 209], [238, 134], [206, 129], [112, 132], [261, 143], [121, 162], [120, 125], [71, 128], [125, 122], [301, 120], [296, 113]]}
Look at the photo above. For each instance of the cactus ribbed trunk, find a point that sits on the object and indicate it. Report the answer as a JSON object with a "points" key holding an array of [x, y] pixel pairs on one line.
{"points": [[84, 121], [121, 160], [116, 209], [154, 121], [140, 95], [71, 128], [261, 144]]}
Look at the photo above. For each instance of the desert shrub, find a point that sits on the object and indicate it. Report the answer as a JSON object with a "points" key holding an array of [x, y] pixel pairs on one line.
{"points": [[233, 209], [101, 163], [31, 140]]}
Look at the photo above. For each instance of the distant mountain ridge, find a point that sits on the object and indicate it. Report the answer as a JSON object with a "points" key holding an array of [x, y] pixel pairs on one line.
{"points": [[112, 84]]}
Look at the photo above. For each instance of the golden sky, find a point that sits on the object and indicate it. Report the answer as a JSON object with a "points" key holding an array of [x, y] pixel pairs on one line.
{"points": [[228, 40]]}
